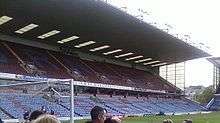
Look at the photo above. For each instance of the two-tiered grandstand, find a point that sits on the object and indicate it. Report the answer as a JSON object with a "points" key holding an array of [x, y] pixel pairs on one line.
{"points": [[113, 57]]}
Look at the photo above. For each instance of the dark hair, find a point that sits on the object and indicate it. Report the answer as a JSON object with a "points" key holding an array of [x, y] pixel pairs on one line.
{"points": [[110, 120], [96, 111], [188, 121], [35, 114]]}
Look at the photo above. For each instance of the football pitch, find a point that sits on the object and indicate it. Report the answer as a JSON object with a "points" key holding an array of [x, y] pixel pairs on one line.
{"points": [[196, 118]]}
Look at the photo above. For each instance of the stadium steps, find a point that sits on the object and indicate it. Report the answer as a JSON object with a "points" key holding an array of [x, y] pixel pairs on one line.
{"points": [[69, 64], [96, 73], [17, 57], [66, 68]]}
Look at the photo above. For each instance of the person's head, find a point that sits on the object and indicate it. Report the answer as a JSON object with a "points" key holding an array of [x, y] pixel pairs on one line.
{"points": [[168, 121], [98, 114], [46, 118], [187, 121], [113, 120], [35, 114]]}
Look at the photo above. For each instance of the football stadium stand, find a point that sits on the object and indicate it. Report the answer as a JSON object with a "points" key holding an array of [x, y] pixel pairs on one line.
{"points": [[57, 65], [112, 56], [52, 66]]}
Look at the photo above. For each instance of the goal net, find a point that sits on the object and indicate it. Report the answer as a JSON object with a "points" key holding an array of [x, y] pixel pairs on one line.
{"points": [[52, 96]]}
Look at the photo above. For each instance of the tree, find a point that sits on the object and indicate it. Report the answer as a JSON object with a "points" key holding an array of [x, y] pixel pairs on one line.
{"points": [[205, 96]]}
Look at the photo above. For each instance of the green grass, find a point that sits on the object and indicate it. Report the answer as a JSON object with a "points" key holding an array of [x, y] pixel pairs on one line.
{"points": [[197, 118]]}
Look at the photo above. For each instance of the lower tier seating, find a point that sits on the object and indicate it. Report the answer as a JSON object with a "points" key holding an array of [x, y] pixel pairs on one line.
{"points": [[16, 104]]}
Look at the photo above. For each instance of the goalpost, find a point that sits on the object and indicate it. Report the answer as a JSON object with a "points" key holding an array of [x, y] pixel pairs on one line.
{"points": [[33, 86], [71, 83], [72, 101]]}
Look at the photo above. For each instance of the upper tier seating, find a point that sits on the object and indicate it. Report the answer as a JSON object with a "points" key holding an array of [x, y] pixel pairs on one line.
{"points": [[79, 70], [57, 65], [8, 63], [40, 59], [92, 71]]}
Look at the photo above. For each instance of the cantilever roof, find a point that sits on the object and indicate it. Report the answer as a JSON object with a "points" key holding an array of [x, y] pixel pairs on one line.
{"points": [[93, 20]]}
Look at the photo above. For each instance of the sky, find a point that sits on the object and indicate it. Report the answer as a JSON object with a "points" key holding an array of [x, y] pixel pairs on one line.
{"points": [[199, 18]]}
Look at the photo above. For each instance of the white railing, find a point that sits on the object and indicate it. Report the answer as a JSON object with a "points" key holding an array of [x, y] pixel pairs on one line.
{"points": [[210, 103]]}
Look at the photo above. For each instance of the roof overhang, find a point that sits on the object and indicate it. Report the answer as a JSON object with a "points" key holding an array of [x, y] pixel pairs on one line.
{"points": [[215, 61], [93, 20]]}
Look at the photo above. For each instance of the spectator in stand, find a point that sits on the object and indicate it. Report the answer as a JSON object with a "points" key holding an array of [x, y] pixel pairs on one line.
{"points": [[35, 114], [26, 115], [43, 109], [168, 121], [46, 118], [98, 115], [52, 112]]}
